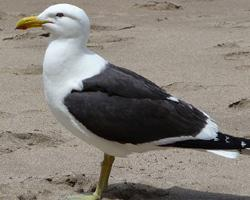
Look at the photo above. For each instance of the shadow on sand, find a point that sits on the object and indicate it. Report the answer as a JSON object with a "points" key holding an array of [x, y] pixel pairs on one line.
{"points": [[132, 191]]}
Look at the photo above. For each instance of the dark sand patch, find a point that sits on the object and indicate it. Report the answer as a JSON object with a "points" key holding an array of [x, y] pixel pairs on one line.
{"points": [[237, 55], [100, 28], [184, 86], [227, 45], [157, 5], [15, 141], [30, 70], [6, 115], [108, 39], [241, 104], [243, 67], [79, 182], [26, 36]]}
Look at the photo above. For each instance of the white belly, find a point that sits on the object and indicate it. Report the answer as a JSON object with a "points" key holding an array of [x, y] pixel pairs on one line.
{"points": [[69, 122]]}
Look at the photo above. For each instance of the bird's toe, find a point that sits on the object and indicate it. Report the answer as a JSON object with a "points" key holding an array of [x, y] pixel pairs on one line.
{"points": [[83, 197]]}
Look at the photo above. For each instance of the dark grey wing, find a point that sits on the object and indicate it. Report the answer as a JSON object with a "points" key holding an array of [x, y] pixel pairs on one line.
{"points": [[121, 106], [123, 82]]}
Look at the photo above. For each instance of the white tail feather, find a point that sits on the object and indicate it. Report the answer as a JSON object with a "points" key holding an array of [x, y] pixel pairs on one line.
{"points": [[228, 154]]}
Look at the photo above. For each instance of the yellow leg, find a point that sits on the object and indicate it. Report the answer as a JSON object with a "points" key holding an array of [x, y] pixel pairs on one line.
{"points": [[103, 180]]}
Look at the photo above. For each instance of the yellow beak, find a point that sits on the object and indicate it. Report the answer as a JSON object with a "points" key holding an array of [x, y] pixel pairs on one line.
{"points": [[30, 22]]}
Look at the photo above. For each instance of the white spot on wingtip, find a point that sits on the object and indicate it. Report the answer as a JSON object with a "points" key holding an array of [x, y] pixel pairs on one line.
{"points": [[243, 144], [227, 139], [173, 99]]}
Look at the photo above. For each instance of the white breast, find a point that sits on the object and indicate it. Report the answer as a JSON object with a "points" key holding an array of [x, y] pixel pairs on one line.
{"points": [[65, 66], [61, 76]]}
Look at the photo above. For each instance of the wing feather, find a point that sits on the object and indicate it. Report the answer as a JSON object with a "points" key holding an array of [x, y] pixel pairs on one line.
{"points": [[121, 106]]}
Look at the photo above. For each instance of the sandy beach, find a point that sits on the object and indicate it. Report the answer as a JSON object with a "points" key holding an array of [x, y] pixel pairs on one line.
{"points": [[198, 50]]}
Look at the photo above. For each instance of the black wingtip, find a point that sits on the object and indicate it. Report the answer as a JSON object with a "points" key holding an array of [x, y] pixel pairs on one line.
{"points": [[222, 142]]}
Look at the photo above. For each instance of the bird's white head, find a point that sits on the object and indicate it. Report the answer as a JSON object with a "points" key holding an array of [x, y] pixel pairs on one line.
{"points": [[61, 20]]}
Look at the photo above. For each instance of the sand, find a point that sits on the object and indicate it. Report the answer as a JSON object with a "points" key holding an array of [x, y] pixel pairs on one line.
{"points": [[198, 50]]}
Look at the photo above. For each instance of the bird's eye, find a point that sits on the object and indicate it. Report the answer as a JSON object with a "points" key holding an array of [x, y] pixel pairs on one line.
{"points": [[59, 14]]}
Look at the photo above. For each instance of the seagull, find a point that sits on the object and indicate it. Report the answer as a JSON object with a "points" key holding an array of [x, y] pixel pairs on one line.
{"points": [[113, 108]]}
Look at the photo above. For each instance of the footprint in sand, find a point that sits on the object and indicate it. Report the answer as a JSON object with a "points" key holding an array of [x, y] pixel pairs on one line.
{"points": [[156, 5], [99, 42], [180, 86], [243, 67], [5, 115], [27, 196], [241, 104], [26, 36], [237, 55], [79, 182], [184, 86], [242, 24], [233, 24], [18, 15], [95, 46], [112, 38], [7, 145], [223, 24], [160, 19], [109, 39], [30, 70], [31, 111], [31, 139], [99, 28], [227, 45], [2, 15], [14, 141]]}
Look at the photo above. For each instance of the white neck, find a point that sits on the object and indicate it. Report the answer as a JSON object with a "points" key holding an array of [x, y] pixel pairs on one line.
{"points": [[67, 63], [60, 53]]}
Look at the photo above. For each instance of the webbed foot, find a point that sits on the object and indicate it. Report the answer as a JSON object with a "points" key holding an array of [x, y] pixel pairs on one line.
{"points": [[83, 197]]}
